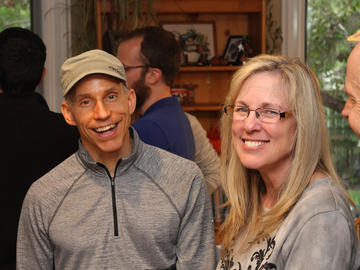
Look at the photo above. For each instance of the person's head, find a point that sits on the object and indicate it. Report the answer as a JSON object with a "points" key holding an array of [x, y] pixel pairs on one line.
{"points": [[352, 88], [149, 55], [263, 139], [98, 102], [285, 85], [22, 58], [293, 144]]}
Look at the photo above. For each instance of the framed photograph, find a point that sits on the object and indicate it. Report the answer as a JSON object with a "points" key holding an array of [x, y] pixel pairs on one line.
{"points": [[235, 46], [196, 39]]}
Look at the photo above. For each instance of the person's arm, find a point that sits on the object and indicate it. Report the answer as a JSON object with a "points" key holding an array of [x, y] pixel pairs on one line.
{"points": [[33, 249], [324, 242], [205, 155], [196, 246]]}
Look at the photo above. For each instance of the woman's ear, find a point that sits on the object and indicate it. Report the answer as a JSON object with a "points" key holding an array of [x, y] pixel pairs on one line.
{"points": [[67, 113]]}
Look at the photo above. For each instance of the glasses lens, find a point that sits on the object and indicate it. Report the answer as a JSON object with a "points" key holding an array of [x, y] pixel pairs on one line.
{"points": [[241, 112], [269, 115]]}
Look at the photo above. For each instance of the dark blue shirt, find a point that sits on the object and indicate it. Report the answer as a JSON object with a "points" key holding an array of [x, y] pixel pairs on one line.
{"points": [[165, 125]]}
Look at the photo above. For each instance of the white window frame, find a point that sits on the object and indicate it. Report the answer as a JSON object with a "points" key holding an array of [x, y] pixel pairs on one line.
{"points": [[293, 25], [52, 21]]}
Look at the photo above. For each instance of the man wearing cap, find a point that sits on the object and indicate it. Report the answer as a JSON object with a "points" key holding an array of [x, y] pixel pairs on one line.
{"points": [[117, 203]]}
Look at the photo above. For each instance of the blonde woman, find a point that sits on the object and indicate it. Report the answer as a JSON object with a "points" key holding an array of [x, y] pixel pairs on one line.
{"points": [[288, 207]]}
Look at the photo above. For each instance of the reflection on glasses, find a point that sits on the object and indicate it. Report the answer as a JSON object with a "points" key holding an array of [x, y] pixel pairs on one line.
{"points": [[266, 115], [133, 67]]}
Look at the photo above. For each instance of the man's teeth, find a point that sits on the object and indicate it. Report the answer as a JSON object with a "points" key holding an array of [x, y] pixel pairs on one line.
{"points": [[253, 143], [103, 129]]}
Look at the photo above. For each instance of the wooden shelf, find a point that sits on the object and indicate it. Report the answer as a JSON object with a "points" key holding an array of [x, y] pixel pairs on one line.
{"points": [[208, 68], [202, 107], [195, 6], [208, 6]]}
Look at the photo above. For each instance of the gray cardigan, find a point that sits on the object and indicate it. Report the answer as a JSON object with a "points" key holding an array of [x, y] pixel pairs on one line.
{"points": [[155, 214], [317, 234]]}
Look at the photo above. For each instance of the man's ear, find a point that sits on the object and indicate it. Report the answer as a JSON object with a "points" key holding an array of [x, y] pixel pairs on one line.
{"points": [[42, 76], [153, 75], [131, 100], [67, 113]]}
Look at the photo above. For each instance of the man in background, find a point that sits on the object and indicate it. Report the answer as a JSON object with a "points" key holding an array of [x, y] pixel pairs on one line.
{"points": [[352, 86], [151, 57], [33, 139]]}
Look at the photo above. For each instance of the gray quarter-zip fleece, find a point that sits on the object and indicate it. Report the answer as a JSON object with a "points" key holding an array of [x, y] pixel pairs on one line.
{"points": [[154, 214]]}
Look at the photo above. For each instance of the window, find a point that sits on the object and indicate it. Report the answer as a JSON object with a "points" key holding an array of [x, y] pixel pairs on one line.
{"points": [[329, 23], [15, 13]]}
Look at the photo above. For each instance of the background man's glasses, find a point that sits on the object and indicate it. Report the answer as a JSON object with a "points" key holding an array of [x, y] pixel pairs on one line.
{"points": [[127, 68], [265, 115]]}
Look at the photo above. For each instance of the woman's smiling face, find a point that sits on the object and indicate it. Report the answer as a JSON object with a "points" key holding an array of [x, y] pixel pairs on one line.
{"points": [[264, 146]]}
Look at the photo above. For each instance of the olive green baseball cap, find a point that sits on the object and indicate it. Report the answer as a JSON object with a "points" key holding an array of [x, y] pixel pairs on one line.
{"points": [[87, 63]]}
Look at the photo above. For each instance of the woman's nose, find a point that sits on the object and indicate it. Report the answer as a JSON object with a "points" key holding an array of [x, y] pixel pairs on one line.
{"points": [[252, 122]]}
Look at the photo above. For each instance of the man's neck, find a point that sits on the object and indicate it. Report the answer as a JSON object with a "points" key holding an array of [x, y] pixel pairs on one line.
{"points": [[110, 159], [156, 93], [1, 91]]}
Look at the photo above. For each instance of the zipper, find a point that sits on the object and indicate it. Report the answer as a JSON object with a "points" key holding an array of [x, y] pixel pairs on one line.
{"points": [[113, 197], [114, 208]]}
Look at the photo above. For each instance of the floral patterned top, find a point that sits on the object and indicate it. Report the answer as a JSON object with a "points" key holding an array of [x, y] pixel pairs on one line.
{"points": [[318, 233]]}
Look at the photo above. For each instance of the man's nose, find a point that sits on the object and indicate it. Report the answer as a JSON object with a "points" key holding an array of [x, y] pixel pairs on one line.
{"points": [[345, 110], [101, 111]]}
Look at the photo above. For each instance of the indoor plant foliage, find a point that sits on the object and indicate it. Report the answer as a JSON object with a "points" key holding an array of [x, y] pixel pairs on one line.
{"points": [[120, 16], [129, 14]]}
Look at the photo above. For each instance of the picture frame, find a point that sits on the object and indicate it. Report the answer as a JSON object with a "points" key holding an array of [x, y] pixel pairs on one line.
{"points": [[234, 48], [197, 40]]}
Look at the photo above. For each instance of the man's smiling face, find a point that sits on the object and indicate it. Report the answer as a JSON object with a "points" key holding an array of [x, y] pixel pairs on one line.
{"points": [[101, 108]]}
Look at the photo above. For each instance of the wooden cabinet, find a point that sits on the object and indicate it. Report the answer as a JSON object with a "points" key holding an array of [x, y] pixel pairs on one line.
{"points": [[231, 18]]}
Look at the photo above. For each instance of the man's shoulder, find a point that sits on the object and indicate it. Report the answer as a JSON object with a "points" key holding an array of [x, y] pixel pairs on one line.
{"points": [[34, 118], [167, 109], [57, 181], [162, 165], [177, 177]]}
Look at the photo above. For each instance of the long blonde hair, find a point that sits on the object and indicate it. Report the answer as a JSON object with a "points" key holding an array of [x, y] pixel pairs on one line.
{"points": [[311, 152]]}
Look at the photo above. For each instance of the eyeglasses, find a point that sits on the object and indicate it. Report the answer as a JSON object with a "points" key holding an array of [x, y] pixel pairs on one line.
{"points": [[265, 115], [133, 67]]}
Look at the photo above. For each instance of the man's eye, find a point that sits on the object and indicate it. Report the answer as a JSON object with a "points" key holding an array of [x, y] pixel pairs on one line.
{"points": [[85, 102], [111, 98]]}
